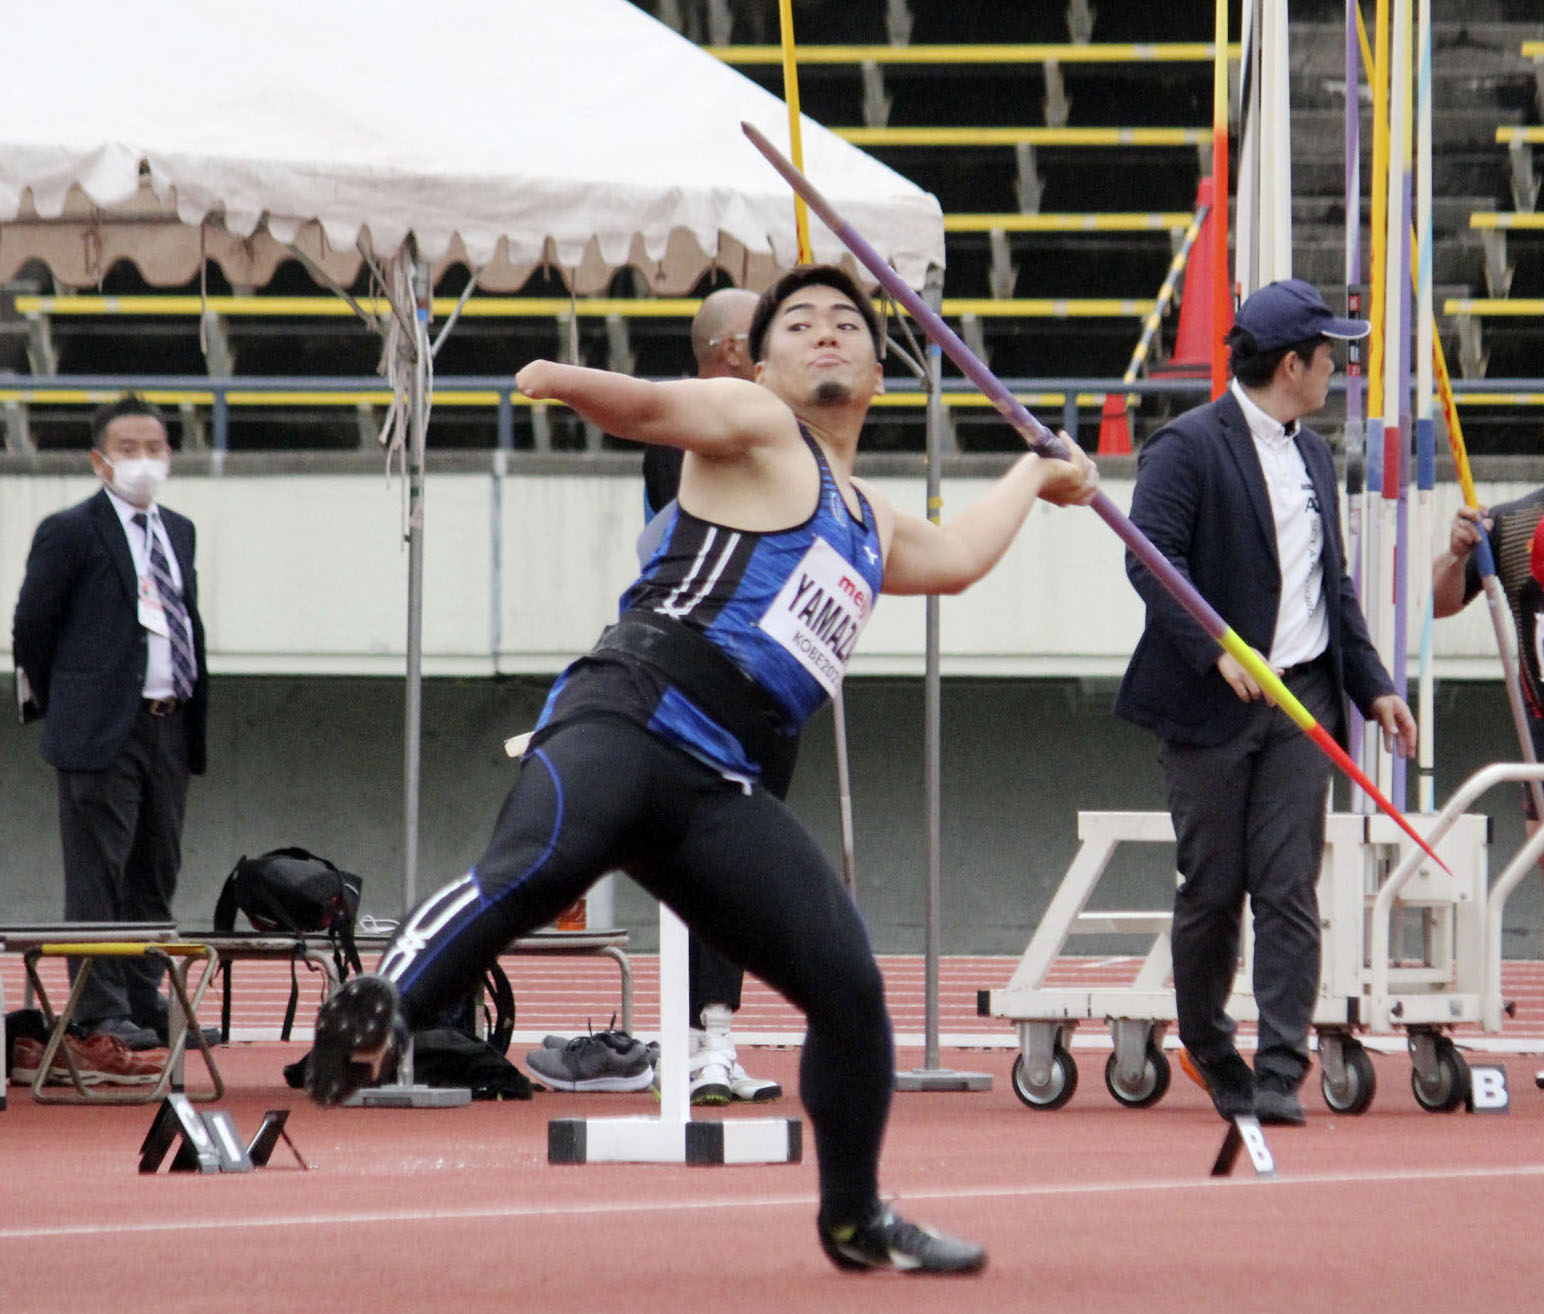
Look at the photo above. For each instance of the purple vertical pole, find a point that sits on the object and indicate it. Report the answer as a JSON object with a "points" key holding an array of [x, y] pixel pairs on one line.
{"points": [[1355, 434]]}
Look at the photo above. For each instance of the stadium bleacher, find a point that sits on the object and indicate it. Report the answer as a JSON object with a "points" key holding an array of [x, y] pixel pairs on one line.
{"points": [[1065, 144]]}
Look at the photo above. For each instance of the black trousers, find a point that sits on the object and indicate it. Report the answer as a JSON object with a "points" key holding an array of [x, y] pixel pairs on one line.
{"points": [[712, 978], [121, 832], [601, 793], [1249, 820]]}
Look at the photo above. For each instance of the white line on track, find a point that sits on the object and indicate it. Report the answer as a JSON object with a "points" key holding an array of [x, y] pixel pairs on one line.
{"points": [[626, 1207]]}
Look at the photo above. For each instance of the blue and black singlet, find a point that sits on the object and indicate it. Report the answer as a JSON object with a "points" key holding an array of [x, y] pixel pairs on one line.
{"points": [[785, 607]]}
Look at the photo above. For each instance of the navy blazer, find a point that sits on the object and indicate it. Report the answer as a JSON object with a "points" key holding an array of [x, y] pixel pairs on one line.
{"points": [[76, 634], [1201, 498]]}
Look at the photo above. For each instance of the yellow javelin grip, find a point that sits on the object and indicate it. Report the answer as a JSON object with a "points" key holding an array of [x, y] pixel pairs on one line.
{"points": [[1267, 679]]}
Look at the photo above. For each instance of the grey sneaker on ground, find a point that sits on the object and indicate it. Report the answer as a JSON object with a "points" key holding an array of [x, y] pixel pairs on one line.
{"points": [[885, 1241], [607, 1061]]}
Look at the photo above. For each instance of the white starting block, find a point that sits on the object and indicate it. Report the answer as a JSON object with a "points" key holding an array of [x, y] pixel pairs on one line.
{"points": [[1405, 945], [673, 1137]]}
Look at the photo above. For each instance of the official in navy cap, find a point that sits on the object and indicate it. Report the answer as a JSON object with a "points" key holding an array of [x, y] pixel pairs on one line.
{"points": [[1242, 498]]}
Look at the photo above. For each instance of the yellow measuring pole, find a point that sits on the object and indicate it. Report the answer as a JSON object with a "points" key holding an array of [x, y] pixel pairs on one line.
{"points": [[801, 215]]}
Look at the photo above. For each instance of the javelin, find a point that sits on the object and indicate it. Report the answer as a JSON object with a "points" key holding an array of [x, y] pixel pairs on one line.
{"points": [[1044, 443], [1484, 558]]}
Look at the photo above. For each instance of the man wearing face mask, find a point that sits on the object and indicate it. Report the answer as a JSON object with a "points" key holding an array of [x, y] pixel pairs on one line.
{"points": [[108, 634]]}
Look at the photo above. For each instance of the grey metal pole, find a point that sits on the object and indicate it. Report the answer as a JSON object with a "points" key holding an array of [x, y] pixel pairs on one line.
{"points": [[844, 794], [406, 1092], [418, 406], [931, 1076]]}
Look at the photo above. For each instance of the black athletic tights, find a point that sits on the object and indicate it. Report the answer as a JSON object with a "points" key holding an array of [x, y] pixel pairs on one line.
{"points": [[603, 793]]}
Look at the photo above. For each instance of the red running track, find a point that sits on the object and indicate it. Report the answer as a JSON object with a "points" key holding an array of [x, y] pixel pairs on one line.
{"points": [[1091, 1208]]}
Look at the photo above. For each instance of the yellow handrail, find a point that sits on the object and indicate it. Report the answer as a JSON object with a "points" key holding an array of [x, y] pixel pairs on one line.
{"points": [[1493, 306], [1025, 136], [1137, 52], [1506, 219], [1111, 221]]}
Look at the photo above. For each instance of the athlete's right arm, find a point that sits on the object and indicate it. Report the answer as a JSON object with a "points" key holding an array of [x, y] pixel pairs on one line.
{"points": [[716, 417]]}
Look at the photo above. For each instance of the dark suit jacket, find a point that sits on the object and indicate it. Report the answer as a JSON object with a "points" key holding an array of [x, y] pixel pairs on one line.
{"points": [[76, 634], [1201, 497]]}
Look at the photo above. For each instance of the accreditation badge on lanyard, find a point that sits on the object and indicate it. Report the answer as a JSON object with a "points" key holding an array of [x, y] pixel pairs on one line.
{"points": [[152, 615], [820, 612]]}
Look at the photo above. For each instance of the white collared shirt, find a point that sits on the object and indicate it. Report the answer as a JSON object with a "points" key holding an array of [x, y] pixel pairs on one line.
{"points": [[1302, 618], [158, 664]]}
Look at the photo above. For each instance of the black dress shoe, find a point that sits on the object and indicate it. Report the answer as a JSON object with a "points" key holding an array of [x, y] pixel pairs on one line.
{"points": [[1228, 1080], [162, 1030], [1276, 1104], [160, 1023]]}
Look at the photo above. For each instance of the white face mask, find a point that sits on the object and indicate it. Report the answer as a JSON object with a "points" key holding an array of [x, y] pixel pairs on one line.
{"points": [[138, 479]]}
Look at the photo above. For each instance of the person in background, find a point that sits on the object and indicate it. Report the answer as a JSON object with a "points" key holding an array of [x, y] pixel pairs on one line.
{"points": [[108, 635], [1516, 533], [720, 335], [1242, 499]]}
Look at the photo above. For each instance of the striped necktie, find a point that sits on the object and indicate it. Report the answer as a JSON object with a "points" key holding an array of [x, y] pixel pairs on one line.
{"points": [[180, 635]]}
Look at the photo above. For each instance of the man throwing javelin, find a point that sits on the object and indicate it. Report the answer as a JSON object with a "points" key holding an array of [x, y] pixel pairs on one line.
{"points": [[648, 753]]}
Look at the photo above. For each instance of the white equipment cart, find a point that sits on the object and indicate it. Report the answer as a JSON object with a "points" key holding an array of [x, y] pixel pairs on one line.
{"points": [[1406, 946]]}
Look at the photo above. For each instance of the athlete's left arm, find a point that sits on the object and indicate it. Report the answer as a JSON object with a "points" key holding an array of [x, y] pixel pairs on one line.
{"points": [[922, 557]]}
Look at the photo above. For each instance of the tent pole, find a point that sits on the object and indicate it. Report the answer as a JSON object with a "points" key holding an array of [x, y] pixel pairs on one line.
{"points": [[930, 1076], [418, 423]]}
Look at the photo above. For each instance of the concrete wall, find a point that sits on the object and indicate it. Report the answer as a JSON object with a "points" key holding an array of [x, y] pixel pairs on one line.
{"points": [[304, 577], [307, 576], [317, 761]]}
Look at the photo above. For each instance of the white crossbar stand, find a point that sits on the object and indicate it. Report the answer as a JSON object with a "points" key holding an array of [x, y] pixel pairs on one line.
{"points": [[673, 1137]]}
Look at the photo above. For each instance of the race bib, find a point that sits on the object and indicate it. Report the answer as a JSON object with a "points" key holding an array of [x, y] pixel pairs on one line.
{"points": [[820, 613]]}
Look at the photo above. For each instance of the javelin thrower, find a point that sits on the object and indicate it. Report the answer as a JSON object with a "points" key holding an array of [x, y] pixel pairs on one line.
{"points": [[648, 754]]}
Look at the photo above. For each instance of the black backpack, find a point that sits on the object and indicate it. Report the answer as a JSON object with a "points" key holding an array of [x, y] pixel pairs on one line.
{"points": [[292, 891]]}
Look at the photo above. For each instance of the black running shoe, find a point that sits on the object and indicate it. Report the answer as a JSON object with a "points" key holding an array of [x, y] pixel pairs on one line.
{"points": [[884, 1241], [359, 1033]]}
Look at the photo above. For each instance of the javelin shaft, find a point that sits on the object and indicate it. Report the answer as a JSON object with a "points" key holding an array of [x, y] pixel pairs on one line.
{"points": [[1484, 560], [1045, 443]]}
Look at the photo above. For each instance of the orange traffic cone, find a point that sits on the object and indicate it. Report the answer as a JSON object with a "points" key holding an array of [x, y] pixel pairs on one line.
{"points": [[1196, 332], [1114, 428]]}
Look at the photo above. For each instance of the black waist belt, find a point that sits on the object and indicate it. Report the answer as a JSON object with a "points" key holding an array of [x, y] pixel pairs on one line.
{"points": [[704, 674]]}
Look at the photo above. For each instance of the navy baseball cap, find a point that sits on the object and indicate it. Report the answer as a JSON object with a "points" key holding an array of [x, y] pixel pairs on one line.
{"points": [[1291, 310]]}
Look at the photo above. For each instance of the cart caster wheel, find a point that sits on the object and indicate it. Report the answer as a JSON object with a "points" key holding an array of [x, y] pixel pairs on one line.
{"points": [[1148, 1090], [1449, 1087], [1361, 1084], [1057, 1089]]}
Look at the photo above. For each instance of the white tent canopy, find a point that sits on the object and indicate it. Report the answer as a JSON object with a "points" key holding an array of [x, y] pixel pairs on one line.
{"points": [[509, 134]]}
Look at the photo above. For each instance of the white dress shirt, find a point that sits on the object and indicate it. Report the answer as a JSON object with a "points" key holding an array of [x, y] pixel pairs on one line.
{"points": [[1302, 619]]}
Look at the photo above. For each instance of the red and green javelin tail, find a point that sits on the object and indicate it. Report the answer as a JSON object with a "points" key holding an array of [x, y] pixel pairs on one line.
{"points": [[1046, 443]]}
